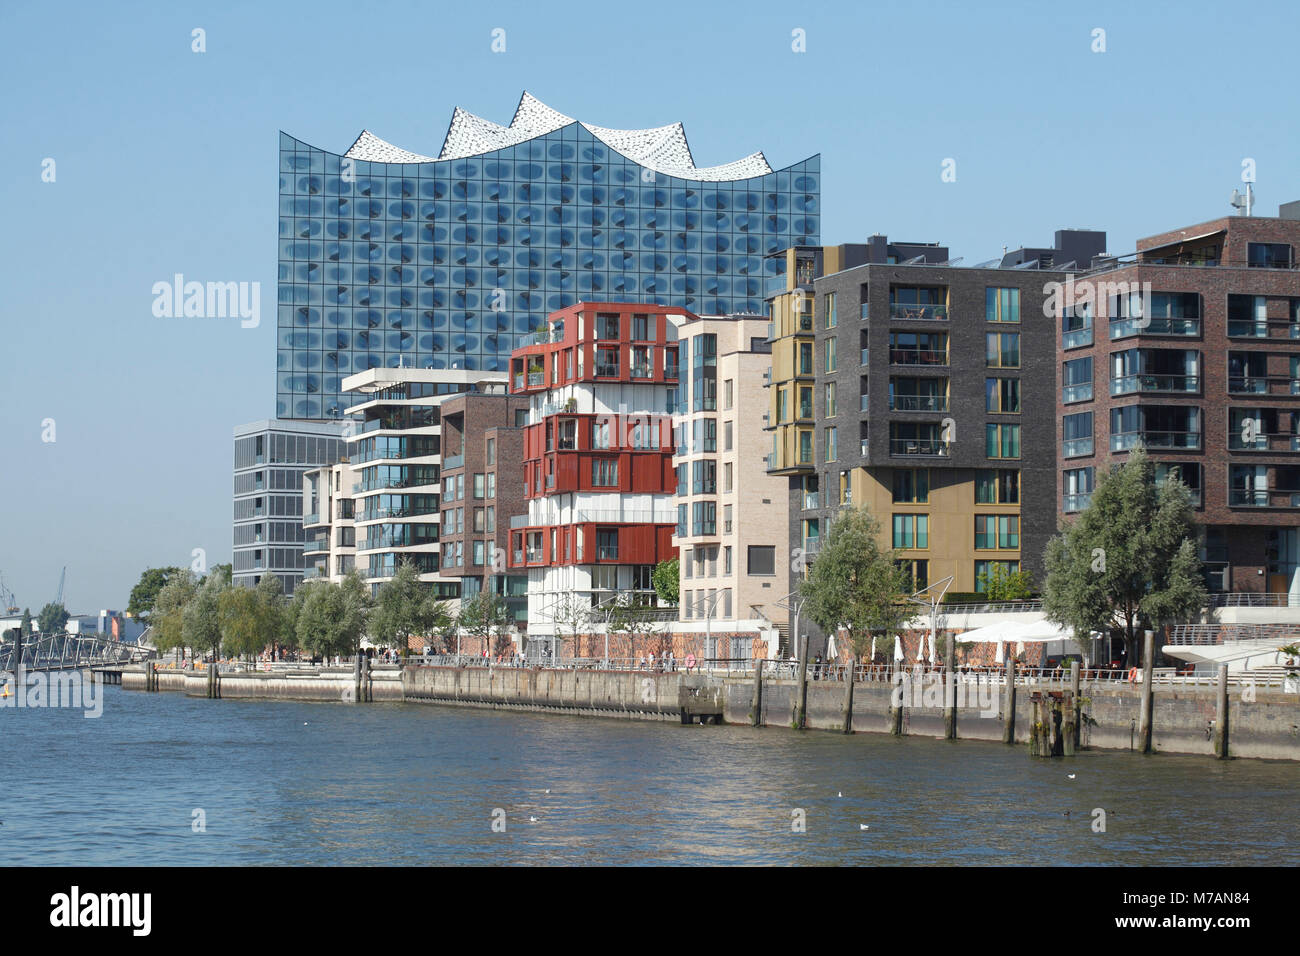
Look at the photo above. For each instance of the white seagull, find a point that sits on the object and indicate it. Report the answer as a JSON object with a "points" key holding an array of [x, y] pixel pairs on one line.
{"points": [[863, 826], [1070, 775]]}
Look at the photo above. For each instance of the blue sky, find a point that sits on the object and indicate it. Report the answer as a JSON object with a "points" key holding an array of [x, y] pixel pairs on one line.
{"points": [[166, 162]]}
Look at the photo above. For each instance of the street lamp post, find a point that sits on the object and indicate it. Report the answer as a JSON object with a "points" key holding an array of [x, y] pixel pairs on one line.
{"points": [[794, 603], [929, 597]]}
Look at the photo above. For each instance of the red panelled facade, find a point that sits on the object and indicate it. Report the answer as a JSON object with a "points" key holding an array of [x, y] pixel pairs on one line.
{"points": [[579, 446]]}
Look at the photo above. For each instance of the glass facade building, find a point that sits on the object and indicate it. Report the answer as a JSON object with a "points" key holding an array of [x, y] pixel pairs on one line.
{"points": [[390, 259]]}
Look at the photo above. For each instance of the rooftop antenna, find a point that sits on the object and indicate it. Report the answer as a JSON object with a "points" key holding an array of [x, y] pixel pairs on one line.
{"points": [[1243, 204]]}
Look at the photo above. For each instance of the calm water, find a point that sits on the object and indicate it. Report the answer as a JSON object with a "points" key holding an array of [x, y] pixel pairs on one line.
{"points": [[301, 783]]}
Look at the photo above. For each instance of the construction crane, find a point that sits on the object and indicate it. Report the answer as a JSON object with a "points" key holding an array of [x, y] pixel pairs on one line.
{"points": [[8, 597], [58, 598]]}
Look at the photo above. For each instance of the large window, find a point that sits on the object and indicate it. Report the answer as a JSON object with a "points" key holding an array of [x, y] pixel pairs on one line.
{"points": [[911, 485], [1002, 395], [704, 516], [918, 348], [1077, 435], [997, 486], [762, 559], [984, 569], [831, 360], [1078, 485], [1002, 350], [997, 532], [830, 399], [1002, 441], [1002, 305], [828, 304], [1076, 378], [1268, 255], [832, 451], [604, 472], [912, 531]]}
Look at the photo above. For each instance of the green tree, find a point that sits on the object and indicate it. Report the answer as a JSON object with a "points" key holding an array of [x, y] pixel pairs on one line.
{"points": [[1000, 584], [1130, 558], [26, 626], [168, 613], [486, 615], [201, 619], [144, 596], [239, 611], [52, 619], [667, 580], [571, 613], [332, 617], [855, 584], [406, 606]]}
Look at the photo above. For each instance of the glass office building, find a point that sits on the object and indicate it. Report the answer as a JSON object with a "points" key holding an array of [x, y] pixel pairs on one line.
{"points": [[389, 258]]}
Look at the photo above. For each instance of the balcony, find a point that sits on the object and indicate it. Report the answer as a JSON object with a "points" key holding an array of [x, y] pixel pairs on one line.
{"points": [[1076, 393], [812, 546], [1129, 384], [1124, 441], [453, 461], [918, 403], [918, 448], [307, 520], [1263, 385], [641, 371], [919, 313], [670, 371], [917, 357], [1076, 447], [314, 545], [1073, 503], [536, 379], [775, 285], [1123, 328], [1077, 338], [1273, 442], [1263, 498], [519, 382], [607, 370], [811, 501]]}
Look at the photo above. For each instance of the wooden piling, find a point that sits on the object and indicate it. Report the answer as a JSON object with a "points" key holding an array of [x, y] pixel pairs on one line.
{"points": [[950, 690], [846, 714], [756, 705], [1221, 715], [1144, 714], [896, 703], [1009, 705], [1072, 712]]}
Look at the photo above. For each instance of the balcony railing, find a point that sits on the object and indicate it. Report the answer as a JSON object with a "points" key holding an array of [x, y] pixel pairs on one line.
{"points": [[1273, 441], [811, 501], [919, 403], [1076, 393], [1128, 384], [1248, 329], [1123, 328], [310, 519], [1078, 502], [863, 446], [519, 381], [670, 371], [453, 461], [1263, 385], [1123, 441], [536, 378], [812, 545], [606, 370], [1077, 338], [606, 553], [926, 313], [1076, 447], [919, 447], [1263, 498], [917, 357], [640, 371]]}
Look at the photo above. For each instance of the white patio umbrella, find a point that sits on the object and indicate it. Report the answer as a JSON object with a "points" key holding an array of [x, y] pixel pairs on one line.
{"points": [[1000, 657], [898, 648], [830, 647], [933, 655]]}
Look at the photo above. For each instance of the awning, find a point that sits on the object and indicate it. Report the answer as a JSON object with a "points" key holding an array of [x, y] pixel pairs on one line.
{"points": [[1179, 242]]}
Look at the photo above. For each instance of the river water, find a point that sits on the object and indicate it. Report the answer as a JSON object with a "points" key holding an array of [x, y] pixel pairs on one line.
{"points": [[281, 782]]}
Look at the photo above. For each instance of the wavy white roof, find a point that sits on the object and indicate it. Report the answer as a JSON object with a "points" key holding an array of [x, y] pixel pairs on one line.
{"points": [[663, 149]]}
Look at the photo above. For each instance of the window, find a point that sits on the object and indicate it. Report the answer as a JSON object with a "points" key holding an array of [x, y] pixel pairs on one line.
{"points": [[607, 327], [604, 472], [480, 553], [805, 403], [999, 486], [490, 526], [641, 328], [1001, 441], [726, 519], [480, 486], [726, 436], [983, 569], [912, 531], [705, 517], [830, 399], [726, 560], [831, 452], [805, 358], [1247, 316], [607, 544], [1002, 350], [727, 395], [1002, 395], [491, 451], [918, 571], [911, 485], [600, 433], [805, 447], [782, 405], [918, 348], [918, 302], [1077, 435], [997, 532], [828, 303], [1076, 325], [762, 559], [705, 477], [1002, 305], [1076, 378], [1078, 484], [727, 477], [704, 434], [830, 355], [1268, 255], [480, 520], [681, 524]]}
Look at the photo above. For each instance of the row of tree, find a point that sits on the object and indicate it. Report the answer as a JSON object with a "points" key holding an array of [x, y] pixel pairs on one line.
{"points": [[211, 616], [1129, 561], [52, 620]]}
